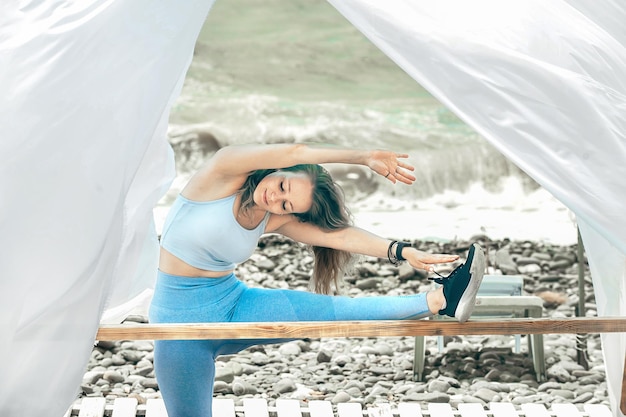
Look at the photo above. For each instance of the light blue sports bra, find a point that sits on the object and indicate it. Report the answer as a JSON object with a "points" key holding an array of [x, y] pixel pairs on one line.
{"points": [[206, 235]]}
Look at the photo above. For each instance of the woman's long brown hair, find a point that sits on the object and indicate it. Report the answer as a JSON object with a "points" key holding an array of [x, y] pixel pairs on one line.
{"points": [[328, 211]]}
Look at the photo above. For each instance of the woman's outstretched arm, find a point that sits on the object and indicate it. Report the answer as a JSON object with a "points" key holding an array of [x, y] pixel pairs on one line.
{"points": [[242, 159], [359, 241], [227, 170]]}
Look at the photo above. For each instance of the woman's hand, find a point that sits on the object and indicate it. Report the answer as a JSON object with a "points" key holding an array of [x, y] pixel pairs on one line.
{"points": [[423, 260], [389, 165]]}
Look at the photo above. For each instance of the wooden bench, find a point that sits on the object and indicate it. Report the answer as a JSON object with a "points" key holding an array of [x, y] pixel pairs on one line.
{"points": [[383, 328], [498, 296], [254, 407]]}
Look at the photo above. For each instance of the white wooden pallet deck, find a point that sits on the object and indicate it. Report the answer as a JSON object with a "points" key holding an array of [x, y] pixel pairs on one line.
{"points": [[252, 407]]}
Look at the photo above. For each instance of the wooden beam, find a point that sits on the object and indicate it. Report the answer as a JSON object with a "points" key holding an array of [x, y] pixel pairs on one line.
{"points": [[316, 329]]}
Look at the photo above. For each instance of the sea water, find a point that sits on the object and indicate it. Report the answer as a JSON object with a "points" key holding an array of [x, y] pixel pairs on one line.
{"points": [[296, 71]]}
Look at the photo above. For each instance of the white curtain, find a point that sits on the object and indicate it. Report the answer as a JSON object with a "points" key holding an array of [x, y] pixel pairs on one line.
{"points": [[545, 83], [86, 92]]}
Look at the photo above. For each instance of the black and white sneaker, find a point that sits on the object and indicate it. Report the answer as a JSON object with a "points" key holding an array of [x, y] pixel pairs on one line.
{"points": [[461, 286]]}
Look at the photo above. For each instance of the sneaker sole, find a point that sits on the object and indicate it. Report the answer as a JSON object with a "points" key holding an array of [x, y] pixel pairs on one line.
{"points": [[468, 299]]}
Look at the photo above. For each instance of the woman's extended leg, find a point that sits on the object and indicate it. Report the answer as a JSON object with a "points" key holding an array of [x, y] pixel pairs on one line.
{"points": [[185, 369], [258, 304]]}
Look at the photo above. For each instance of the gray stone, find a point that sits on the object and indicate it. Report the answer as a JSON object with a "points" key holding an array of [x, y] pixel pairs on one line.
{"points": [[571, 366], [508, 377], [527, 399], [559, 373], [406, 272], [265, 264], [113, 376], [493, 375], [285, 385], [530, 269], [134, 379], [354, 392], [505, 262], [399, 376], [241, 387], [382, 348], [221, 387], [486, 395], [131, 355], [150, 383], [568, 395], [247, 369], [454, 383], [591, 379], [367, 269], [144, 362], [341, 397], [290, 349], [117, 360], [106, 344], [324, 356], [91, 377], [438, 386], [380, 370], [259, 358], [367, 350], [471, 399], [550, 385], [542, 256], [90, 389], [583, 398], [429, 397], [379, 391], [367, 284], [342, 360], [528, 260], [355, 383], [143, 371], [224, 374], [143, 346]]}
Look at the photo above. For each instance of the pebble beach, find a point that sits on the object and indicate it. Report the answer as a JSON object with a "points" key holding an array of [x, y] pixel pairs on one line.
{"points": [[371, 370]]}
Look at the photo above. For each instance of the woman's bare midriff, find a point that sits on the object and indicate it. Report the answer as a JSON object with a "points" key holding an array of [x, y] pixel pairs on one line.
{"points": [[170, 264]]}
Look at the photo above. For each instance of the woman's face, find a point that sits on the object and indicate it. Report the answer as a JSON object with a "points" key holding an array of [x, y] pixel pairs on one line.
{"points": [[283, 192]]}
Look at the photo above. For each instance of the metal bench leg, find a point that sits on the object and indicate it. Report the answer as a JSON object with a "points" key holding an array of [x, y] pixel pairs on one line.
{"points": [[535, 347], [535, 342], [418, 359]]}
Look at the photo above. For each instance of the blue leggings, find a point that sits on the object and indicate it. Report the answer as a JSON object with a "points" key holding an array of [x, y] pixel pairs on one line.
{"points": [[185, 369]]}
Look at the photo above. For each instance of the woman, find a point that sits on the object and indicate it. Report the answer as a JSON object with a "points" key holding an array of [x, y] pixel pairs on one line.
{"points": [[215, 223]]}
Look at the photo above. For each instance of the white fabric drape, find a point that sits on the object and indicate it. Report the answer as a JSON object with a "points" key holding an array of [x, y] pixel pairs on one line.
{"points": [[545, 83], [86, 92]]}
